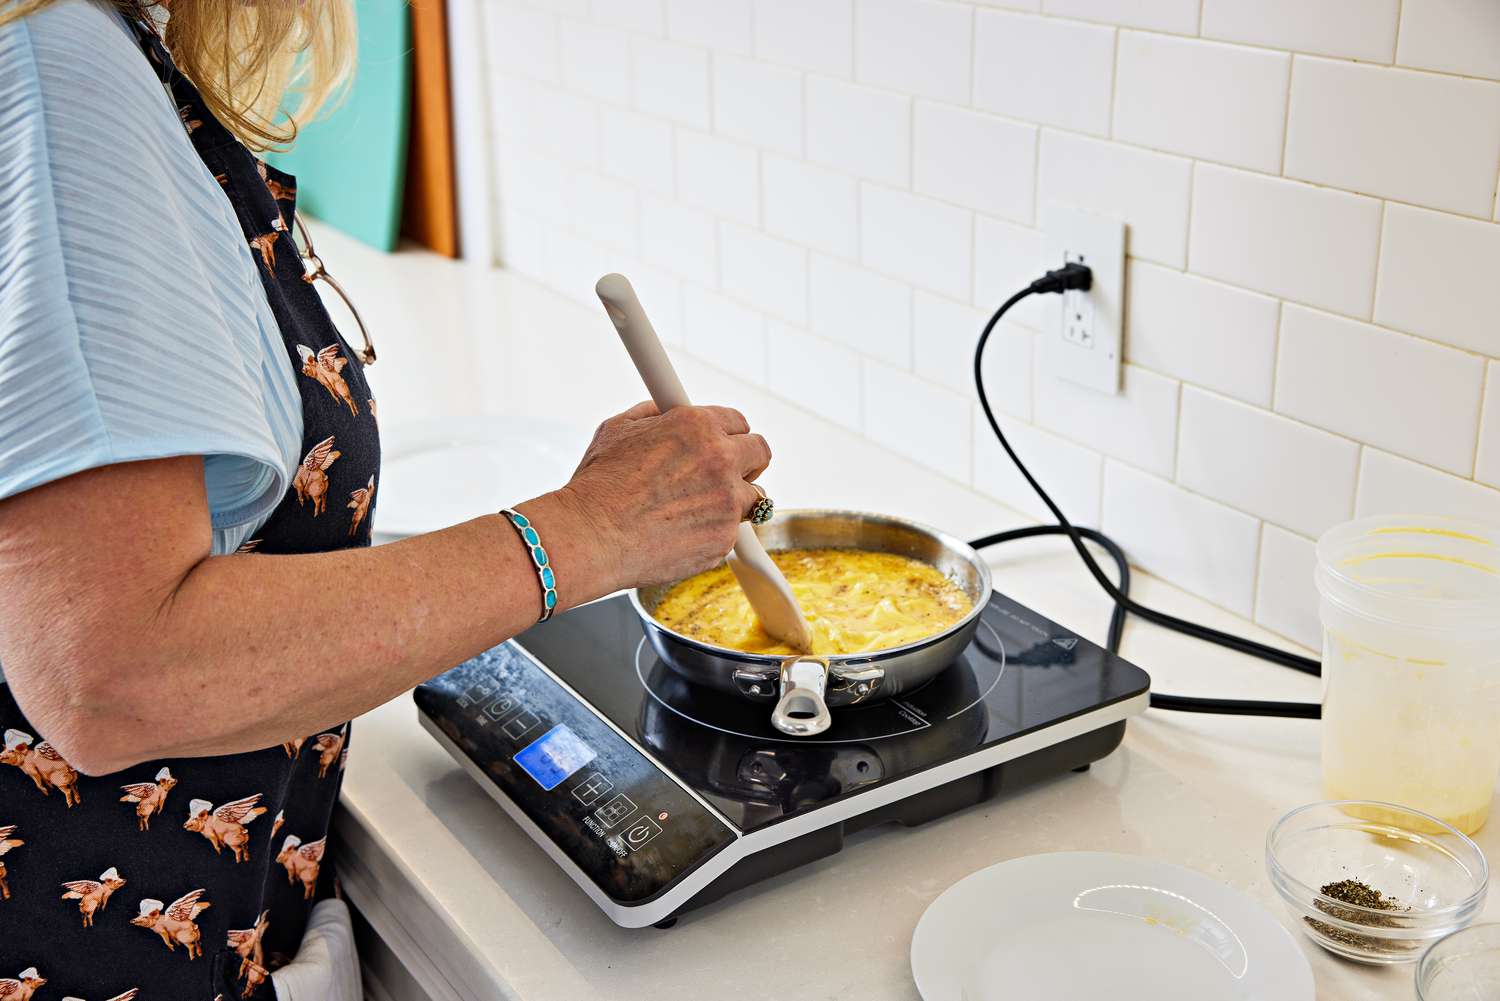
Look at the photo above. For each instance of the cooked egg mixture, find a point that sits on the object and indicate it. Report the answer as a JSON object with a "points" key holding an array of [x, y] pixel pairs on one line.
{"points": [[855, 601]]}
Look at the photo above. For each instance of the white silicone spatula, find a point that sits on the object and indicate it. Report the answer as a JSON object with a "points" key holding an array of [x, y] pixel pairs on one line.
{"points": [[760, 579]]}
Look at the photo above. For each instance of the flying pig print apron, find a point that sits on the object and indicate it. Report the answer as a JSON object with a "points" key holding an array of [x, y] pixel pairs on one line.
{"points": [[191, 879]]}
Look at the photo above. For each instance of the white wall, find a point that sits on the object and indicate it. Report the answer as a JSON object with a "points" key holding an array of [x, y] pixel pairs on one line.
{"points": [[833, 193]]}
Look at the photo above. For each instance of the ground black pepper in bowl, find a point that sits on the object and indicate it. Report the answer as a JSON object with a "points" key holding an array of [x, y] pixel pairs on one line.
{"points": [[1364, 898]]}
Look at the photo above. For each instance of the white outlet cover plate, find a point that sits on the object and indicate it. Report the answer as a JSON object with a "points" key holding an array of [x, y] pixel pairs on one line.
{"points": [[1083, 341]]}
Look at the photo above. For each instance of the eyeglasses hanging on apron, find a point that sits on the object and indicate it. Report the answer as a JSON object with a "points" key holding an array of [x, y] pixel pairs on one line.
{"points": [[313, 270]]}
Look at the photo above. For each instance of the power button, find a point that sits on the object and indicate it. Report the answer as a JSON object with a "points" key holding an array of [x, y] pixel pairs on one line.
{"points": [[640, 833]]}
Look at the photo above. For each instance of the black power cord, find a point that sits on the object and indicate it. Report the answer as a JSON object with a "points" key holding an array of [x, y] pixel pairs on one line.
{"points": [[1078, 276]]}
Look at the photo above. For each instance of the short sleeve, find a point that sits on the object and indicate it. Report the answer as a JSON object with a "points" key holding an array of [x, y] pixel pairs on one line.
{"points": [[132, 321]]}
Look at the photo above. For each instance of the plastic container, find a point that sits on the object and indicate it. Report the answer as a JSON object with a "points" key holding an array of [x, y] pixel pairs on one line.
{"points": [[1410, 606], [1465, 966], [1434, 883]]}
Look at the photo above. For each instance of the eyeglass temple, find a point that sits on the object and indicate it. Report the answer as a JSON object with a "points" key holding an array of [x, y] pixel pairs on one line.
{"points": [[314, 269]]}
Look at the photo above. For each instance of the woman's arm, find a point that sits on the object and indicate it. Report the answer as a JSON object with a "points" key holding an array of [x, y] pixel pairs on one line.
{"points": [[123, 640]]}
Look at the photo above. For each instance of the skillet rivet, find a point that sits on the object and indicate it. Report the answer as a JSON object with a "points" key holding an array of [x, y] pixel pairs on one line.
{"points": [[862, 688]]}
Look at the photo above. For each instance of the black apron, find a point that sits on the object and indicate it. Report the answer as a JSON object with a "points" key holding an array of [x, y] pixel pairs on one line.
{"points": [[192, 878]]}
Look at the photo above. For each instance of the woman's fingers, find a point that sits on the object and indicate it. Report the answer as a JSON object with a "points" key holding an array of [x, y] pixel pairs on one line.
{"points": [[646, 408], [728, 418], [747, 496], [753, 453]]}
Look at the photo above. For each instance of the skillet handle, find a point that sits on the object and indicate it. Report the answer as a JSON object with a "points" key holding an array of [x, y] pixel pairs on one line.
{"points": [[802, 711]]}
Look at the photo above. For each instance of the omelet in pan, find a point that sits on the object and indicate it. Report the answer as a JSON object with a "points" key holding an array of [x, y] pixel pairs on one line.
{"points": [[855, 600]]}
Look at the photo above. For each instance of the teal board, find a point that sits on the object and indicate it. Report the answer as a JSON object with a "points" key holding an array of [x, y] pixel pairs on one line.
{"points": [[350, 164]]}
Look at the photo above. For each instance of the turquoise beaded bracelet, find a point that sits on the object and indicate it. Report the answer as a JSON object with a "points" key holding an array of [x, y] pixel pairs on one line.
{"points": [[539, 558]]}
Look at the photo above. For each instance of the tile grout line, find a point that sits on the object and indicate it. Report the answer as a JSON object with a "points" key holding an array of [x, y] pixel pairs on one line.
{"points": [[1255, 570], [1379, 260], [973, 55], [1286, 114], [1359, 475], [1276, 356], [1036, 186], [1187, 240], [1484, 392], [1114, 84]]}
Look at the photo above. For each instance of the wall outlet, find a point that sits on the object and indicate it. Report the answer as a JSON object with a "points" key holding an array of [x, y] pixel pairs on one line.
{"points": [[1083, 343]]}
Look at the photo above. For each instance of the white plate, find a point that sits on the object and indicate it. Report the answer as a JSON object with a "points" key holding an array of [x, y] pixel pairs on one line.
{"points": [[1081, 926], [440, 473]]}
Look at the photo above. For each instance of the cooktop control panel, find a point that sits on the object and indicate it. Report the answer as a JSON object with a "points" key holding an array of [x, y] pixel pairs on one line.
{"points": [[632, 829]]}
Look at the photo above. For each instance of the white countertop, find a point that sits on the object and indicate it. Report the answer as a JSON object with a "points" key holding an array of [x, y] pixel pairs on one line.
{"points": [[431, 855]]}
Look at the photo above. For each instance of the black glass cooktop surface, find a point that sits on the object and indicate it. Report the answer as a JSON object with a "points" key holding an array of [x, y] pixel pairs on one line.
{"points": [[1021, 673]]}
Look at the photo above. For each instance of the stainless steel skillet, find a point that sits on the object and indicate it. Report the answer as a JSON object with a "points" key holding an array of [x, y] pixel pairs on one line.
{"points": [[804, 688]]}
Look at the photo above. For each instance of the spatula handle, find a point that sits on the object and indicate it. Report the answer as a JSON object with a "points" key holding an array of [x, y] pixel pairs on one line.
{"points": [[764, 586], [645, 349]]}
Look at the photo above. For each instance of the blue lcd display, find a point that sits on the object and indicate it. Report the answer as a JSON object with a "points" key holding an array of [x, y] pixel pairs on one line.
{"points": [[553, 756]]}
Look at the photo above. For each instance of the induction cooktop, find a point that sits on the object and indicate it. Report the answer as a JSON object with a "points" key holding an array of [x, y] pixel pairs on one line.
{"points": [[658, 796]]}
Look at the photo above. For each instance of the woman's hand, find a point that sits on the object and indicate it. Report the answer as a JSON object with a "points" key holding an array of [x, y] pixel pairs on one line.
{"points": [[666, 492]]}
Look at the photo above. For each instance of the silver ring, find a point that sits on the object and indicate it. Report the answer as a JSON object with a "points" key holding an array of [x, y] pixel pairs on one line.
{"points": [[762, 510]]}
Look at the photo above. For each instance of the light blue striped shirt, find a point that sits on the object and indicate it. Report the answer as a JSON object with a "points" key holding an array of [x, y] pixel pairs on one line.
{"points": [[133, 324]]}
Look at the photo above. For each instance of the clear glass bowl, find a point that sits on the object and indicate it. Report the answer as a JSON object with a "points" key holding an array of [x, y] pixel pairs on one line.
{"points": [[1462, 967], [1436, 882]]}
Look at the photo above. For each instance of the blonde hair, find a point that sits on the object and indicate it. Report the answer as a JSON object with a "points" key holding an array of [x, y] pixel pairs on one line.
{"points": [[251, 58]]}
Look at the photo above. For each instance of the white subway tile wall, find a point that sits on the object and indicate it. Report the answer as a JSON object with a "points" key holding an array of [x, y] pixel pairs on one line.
{"points": [[914, 46], [862, 310], [763, 271], [860, 130], [596, 61], [1072, 474], [821, 376], [1453, 36], [639, 149], [812, 205], [918, 239], [828, 197], [1389, 484], [1178, 16], [1227, 447], [1205, 99], [816, 35], [1207, 547], [982, 161], [1487, 462], [1286, 599], [671, 80], [1200, 331], [1149, 191], [931, 425], [1044, 70], [1139, 424], [724, 25], [1357, 29], [1409, 136], [1452, 295], [1301, 242], [758, 103], [1398, 392]]}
